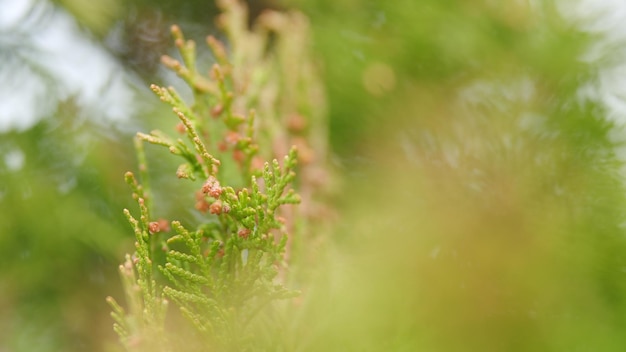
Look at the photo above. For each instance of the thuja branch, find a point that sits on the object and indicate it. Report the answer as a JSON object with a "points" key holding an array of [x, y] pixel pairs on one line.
{"points": [[225, 270], [222, 273]]}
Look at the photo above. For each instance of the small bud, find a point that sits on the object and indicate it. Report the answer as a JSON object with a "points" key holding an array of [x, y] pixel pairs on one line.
{"points": [[171, 63], [216, 208], [218, 47], [183, 171], [232, 137], [202, 206], [164, 225], [154, 227], [238, 156], [212, 187], [244, 233], [296, 123], [175, 30], [216, 111], [180, 128]]}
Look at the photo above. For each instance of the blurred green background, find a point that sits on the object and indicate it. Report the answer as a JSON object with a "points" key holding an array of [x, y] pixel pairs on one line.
{"points": [[477, 142]]}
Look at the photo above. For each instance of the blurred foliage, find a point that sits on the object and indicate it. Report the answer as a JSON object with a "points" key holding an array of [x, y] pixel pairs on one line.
{"points": [[98, 16], [434, 44], [483, 208], [488, 214], [61, 235]]}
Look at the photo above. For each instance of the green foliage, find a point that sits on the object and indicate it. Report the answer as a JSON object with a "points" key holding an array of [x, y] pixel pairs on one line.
{"points": [[484, 207], [58, 239], [489, 213], [224, 274]]}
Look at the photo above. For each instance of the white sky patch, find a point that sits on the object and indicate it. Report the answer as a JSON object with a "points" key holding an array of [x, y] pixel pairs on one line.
{"points": [[607, 19], [12, 12], [46, 59]]}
